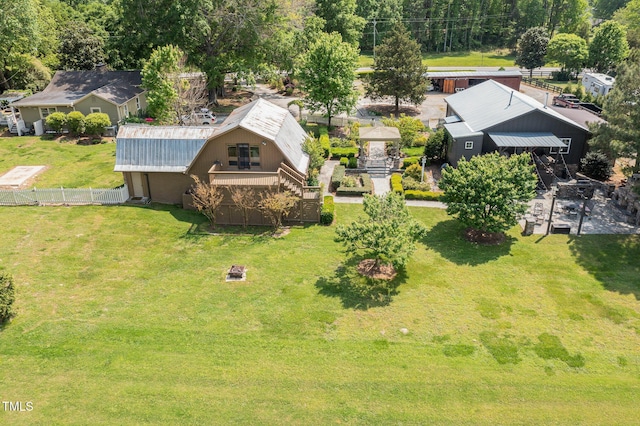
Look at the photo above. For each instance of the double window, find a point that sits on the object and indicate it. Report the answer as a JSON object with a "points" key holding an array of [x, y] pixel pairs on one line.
{"points": [[243, 155], [565, 150], [45, 112]]}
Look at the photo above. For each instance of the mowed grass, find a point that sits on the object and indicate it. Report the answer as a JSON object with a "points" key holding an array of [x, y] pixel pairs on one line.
{"points": [[124, 317], [495, 58], [68, 164]]}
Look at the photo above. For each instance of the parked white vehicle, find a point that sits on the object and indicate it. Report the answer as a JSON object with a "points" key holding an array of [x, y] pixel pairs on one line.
{"points": [[597, 84], [204, 117]]}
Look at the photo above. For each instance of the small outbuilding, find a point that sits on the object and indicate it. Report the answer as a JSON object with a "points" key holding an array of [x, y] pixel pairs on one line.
{"points": [[456, 81]]}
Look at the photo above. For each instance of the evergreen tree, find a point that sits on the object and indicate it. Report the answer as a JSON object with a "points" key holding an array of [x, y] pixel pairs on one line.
{"points": [[398, 72], [532, 49]]}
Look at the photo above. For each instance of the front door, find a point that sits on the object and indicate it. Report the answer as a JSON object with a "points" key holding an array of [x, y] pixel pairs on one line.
{"points": [[244, 161], [136, 181]]}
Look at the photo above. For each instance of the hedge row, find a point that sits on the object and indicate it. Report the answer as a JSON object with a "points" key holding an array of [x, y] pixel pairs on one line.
{"points": [[412, 194], [396, 183], [408, 161], [337, 176], [344, 161], [328, 208], [325, 143], [338, 152], [366, 188]]}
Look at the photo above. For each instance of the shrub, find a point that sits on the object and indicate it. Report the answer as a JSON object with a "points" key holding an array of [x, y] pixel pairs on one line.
{"points": [[436, 145], [328, 208], [596, 165], [7, 296], [76, 122], [408, 161], [396, 183], [343, 143], [420, 141], [414, 171], [96, 123], [344, 161], [336, 153], [411, 183], [413, 194], [348, 182], [366, 188], [353, 162], [56, 121], [336, 177], [326, 145], [410, 128]]}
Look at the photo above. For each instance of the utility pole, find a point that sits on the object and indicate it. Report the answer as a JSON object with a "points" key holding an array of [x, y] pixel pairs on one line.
{"points": [[374, 38]]}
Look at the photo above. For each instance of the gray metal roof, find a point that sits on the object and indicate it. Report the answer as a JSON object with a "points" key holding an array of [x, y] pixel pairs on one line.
{"points": [[461, 130], [526, 140], [379, 133], [474, 74], [66, 88], [490, 103], [159, 148], [274, 123]]}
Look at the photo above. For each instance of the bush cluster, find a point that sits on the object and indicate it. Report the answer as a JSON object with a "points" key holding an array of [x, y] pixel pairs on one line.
{"points": [[77, 123], [328, 208], [348, 152], [408, 161], [353, 162], [344, 161], [366, 188], [410, 183], [396, 183], [414, 171], [336, 177], [413, 194]]}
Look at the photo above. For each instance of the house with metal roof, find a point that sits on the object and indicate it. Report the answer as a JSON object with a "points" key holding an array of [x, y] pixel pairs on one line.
{"points": [[493, 117], [116, 93], [258, 146]]}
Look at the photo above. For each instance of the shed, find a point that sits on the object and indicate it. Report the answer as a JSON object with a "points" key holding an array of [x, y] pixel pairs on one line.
{"points": [[456, 81]]}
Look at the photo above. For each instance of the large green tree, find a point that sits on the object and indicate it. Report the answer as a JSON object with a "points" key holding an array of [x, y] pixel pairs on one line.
{"points": [[608, 47], [80, 48], [629, 16], [569, 50], [340, 16], [388, 234], [327, 73], [532, 49], [619, 136], [489, 192], [18, 35], [398, 71], [157, 78]]}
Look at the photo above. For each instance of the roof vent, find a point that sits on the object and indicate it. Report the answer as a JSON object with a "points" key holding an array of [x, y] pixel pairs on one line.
{"points": [[510, 98]]}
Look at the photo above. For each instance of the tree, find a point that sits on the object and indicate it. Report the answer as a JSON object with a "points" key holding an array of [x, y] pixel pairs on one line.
{"points": [[246, 199], [7, 297], [436, 146], [276, 205], [398, 71], [620, 135], [608, 47], [569, 50], [532, 48], [410, 129], [80, 48], [56, 121], [327, 72], [157, 79], [96, 122], [388, 234], [76, 122], [489, 192], [206, 198], [18, 35], [604, 9], [629, 16], [340, 16], [596, 165], [312, 147]]}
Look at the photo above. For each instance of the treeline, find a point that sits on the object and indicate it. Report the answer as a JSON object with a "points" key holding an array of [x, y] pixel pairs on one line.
{"points": [[38, 37]]}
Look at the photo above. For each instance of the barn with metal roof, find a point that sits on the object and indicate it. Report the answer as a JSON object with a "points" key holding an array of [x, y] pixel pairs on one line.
{"points": [[457, 81], [493, 117]]}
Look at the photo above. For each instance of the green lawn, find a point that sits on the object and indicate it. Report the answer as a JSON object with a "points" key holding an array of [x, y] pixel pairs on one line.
{"points": [[497, 58], [68, 164], [124, 317]]}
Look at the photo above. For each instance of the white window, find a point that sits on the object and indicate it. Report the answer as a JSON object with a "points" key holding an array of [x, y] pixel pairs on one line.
{"points": [[95, 109], [126, 110], [137, 103], [44, 112], [468, 145], [565, 150]]}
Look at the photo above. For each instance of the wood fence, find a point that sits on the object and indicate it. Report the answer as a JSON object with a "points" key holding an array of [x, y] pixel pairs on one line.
{"points": [[542, 84], [64, 196]]}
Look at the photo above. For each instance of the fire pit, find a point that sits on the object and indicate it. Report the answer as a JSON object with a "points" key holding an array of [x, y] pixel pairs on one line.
{"points": [[237, 273]]}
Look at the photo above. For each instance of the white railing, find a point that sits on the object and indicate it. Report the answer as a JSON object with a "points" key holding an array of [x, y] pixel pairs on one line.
{"points": [[66, 196]]}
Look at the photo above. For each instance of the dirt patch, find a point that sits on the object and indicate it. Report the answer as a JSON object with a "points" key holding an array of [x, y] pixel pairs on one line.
{"points": [[388, 110], [484, 238], [369, 269]]}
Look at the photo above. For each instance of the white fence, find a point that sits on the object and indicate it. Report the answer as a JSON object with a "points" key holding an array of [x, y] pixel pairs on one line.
{"points": [[66, 196]]}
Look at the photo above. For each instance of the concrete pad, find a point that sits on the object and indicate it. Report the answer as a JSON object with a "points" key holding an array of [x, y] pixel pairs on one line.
{"points": [[17, 176]]}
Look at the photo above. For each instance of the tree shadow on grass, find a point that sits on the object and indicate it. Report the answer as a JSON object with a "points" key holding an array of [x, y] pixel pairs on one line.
{"points": [[356, 291], [612, 259], [447, 238]]}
